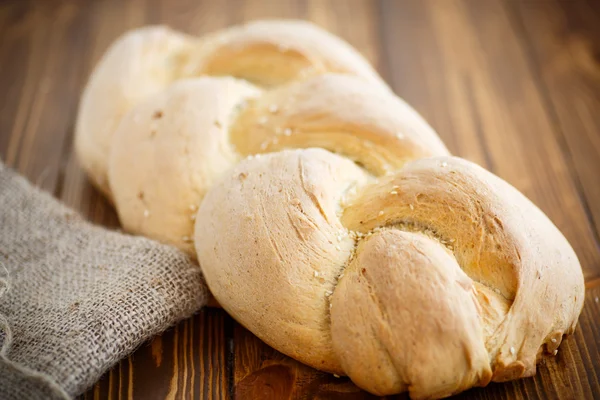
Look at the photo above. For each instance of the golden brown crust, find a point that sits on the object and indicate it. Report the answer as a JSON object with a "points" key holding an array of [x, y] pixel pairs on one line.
{"points": [[439, 277], [173, 140], [273, 52], [368, 250], [350, 116], [143, 62], [405, 308]]}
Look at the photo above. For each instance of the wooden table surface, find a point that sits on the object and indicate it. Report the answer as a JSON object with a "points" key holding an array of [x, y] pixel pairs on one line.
{"points": [[513, 86]]}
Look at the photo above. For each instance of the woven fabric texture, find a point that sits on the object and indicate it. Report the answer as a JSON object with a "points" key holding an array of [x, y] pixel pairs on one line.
{"points": [[75, 298]]}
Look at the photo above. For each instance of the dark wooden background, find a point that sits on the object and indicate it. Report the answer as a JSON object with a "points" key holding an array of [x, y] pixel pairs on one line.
{"points": [[511, 85]]}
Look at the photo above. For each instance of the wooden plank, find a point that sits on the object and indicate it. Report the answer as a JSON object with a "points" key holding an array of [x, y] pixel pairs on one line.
{"points": [[264, 373], [471, 78], [193, 17], [248, 10], [356, 22], [562, 41], [471, 68], [186, 362], [36, 118]]}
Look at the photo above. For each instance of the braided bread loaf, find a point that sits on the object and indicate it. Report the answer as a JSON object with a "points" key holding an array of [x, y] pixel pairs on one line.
{"points": [[357, 245]]}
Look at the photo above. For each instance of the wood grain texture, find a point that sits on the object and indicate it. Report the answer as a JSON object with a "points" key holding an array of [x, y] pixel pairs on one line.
{"points": [[561, 41], [513, 86], [478, 90]]}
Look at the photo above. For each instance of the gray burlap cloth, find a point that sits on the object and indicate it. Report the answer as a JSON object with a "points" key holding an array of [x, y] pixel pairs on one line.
{"points": [[75, 298]]}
